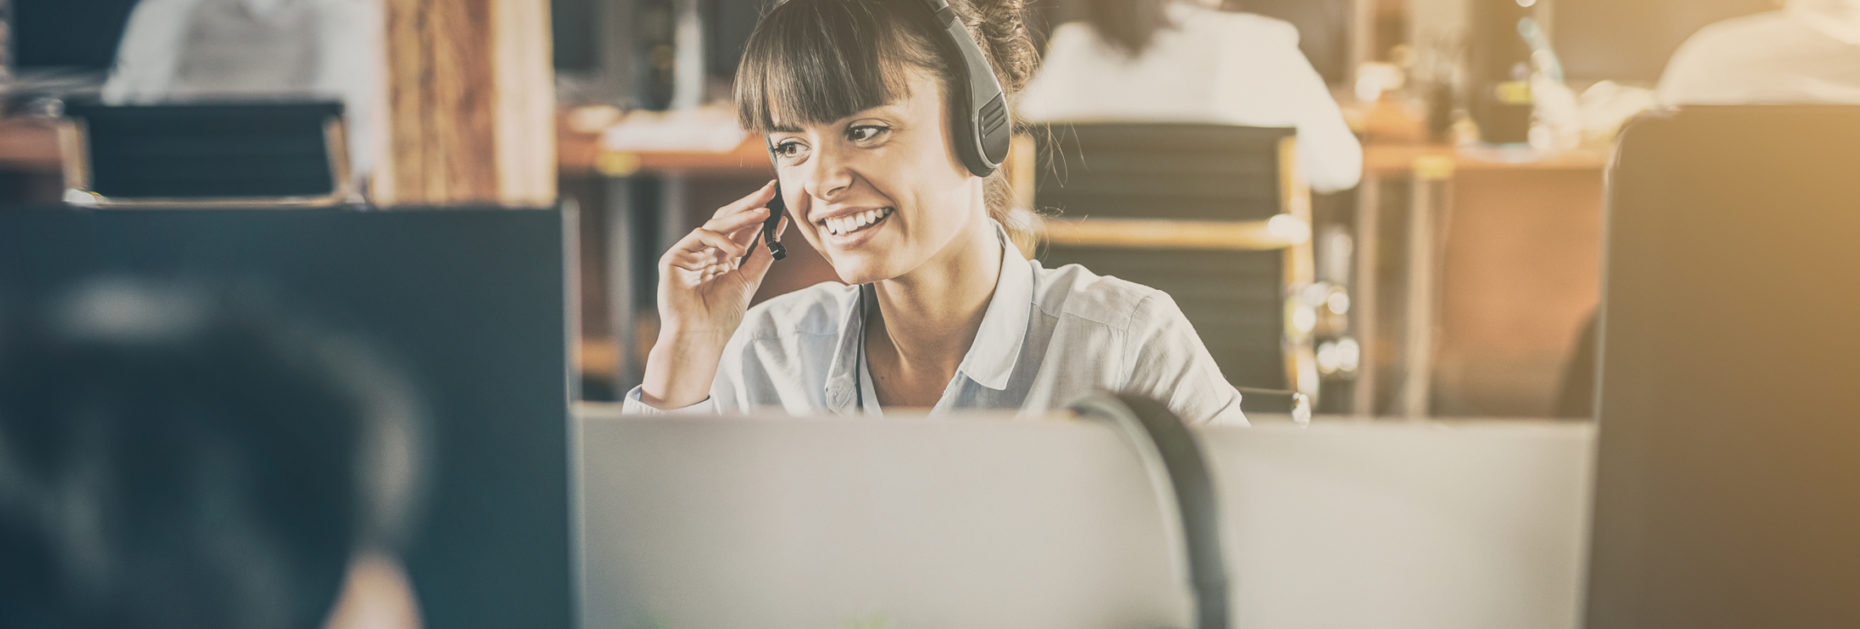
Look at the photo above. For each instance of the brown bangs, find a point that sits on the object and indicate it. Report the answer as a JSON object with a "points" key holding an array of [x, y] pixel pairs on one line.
{"points": [[817, 61]]}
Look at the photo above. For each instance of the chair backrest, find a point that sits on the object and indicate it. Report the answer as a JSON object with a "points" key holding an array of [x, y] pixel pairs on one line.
{"points": [[1178, 171], [1198, 211], [243, 154], [1726, 494]]}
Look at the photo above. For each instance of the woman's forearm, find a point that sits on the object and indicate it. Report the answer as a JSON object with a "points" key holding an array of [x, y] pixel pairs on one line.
{"points": [[680, 369]]}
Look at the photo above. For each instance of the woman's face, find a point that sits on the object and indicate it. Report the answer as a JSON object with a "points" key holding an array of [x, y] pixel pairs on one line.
{"points": [[880, 192]]}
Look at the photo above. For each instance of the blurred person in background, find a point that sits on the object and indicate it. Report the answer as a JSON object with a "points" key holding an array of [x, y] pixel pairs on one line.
{"points": [[1181, 61], [181, 50], [1806, 52], [174, 458]]}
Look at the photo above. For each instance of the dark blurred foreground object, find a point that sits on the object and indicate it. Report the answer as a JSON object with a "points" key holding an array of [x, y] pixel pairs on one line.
{"points": [[174, 456], [1211, 214], [1726, 494], [201, 154], [472, 300]]}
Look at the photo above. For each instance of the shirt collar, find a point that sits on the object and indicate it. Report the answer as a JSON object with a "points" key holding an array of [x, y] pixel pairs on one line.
{"points": [[991, 358]]}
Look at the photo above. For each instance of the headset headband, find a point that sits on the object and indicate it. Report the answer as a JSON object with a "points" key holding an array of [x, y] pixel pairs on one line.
{"points": [[978, 107]]}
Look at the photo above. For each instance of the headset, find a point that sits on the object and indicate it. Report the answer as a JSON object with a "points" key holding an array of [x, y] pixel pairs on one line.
{"points": [[977, 109]]}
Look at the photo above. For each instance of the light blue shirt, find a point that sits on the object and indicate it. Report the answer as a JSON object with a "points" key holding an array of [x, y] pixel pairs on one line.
{"points": [[1048, 338]]}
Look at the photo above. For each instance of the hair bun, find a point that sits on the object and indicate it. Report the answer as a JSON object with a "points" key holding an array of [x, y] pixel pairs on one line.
{"points": [[1000, 28]]}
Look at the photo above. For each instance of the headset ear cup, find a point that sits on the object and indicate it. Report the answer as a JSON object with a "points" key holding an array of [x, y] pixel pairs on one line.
{"points": [[978, 107], [995, 134]]}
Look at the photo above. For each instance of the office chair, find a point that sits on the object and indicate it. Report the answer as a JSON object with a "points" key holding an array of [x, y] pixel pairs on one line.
{"points": [[1725, 492], [206, 154], [1214, 215]]}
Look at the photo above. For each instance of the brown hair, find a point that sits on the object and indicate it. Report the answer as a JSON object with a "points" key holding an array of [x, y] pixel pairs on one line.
{"points": [[1127, 25], [816, 61]]}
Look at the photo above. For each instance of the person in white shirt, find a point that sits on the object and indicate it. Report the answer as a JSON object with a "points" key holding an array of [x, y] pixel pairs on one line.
{"points": [[938, 309], [180, 50], [1807, 52], [1174, 61]]}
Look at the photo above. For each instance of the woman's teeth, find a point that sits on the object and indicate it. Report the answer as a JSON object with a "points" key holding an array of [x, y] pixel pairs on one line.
{"points": [[842, 225]]}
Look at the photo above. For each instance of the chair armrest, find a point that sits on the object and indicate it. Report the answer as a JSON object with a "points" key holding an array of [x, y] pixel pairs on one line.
{"points": [[1276, 402]]}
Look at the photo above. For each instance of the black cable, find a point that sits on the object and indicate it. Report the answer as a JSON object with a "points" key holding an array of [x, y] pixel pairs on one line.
{"points": [[1168, 448]]}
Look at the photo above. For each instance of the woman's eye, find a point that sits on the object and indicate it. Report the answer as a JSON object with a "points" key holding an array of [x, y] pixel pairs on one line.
{"points": [[866, 133], [790, 150]]}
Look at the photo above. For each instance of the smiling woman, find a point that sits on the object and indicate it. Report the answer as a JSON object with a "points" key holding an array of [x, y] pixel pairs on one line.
{"points": [[879, 115]]}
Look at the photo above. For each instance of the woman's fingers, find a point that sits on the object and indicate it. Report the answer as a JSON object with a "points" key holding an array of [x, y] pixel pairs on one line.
{"points": [[702, 245], [734, 224], [720, 242], [698, 259], [724, 240], [759, 198]]}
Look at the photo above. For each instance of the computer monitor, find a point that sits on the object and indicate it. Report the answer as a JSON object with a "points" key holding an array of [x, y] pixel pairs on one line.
{"points": [[986, 521], [66, 35], [576, 34], [1725, 486], [472, 302]]}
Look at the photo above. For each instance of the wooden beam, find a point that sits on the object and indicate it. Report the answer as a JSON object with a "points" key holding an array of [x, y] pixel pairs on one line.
{"points": [[471, 102]]}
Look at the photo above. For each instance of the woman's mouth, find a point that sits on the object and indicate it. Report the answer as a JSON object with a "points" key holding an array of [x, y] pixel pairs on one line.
{"points": [[851, 224]]}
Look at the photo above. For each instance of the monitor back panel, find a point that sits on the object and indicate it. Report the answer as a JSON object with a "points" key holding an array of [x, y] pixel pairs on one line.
{"points": [[472, 302], [1727, 490]]}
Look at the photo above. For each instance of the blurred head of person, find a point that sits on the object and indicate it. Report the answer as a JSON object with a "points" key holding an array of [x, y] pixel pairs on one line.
{"points": [[172, 456], [1126, 25]]}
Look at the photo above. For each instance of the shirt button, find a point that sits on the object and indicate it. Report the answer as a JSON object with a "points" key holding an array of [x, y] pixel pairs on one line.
{"points": [[837, 395]]}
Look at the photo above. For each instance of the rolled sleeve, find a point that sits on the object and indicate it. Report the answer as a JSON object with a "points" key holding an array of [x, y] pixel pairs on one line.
{"points": [[1169, 363], [632, 405]]}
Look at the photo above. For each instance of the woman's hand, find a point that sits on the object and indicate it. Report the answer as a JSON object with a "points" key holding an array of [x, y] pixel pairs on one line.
{"points": [[704, 289]]}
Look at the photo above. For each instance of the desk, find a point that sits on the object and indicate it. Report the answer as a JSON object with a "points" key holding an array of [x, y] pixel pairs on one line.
{"points": [[579, 153]]}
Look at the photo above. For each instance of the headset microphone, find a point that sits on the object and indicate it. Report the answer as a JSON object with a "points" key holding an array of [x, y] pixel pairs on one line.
{"points": [[777, 207]]}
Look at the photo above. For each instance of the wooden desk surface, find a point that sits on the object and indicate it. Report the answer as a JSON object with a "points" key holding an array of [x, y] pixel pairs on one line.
{"points": [[579, 153], [1400, 158]]}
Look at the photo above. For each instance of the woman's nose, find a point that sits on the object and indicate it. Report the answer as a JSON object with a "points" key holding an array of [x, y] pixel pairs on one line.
{"points": [[829, 175]]}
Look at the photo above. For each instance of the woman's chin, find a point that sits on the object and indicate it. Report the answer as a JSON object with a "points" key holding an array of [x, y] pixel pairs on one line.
{"points": [[856, 270]]}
